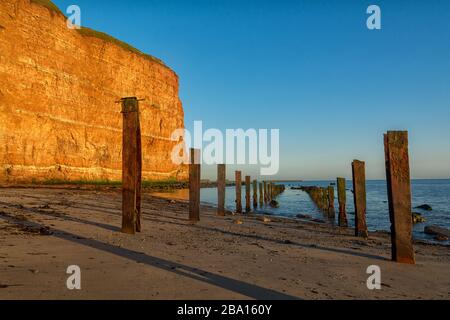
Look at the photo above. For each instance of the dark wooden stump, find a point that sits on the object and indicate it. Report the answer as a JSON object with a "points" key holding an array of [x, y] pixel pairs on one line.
{"points": [[359, 189], [342, 199], [221, 185], [261, 194], [331, 210], [238, 181], [247, 194], [194, 185], [399, 195], [266, 197], [255, 194]]}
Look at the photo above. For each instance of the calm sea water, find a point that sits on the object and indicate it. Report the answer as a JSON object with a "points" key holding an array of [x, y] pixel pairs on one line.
{"points": [[436, 193]]}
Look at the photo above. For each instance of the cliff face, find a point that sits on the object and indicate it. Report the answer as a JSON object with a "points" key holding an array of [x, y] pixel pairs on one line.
{"points": [[58, 88]]}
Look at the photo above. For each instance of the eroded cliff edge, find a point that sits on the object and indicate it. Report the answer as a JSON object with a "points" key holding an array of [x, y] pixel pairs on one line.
{"points": [[58, 87]]}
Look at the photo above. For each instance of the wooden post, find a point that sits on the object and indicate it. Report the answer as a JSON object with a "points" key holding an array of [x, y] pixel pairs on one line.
{"points": [[138, 175], [324, 193], [342, 199], [221, 185], [194, 186], [265, 192], [331, 210], [255, 194], [131, 166], [247, 194], [261, 194], [359, 190], [269, 192], [399, 195], [238, 178]]}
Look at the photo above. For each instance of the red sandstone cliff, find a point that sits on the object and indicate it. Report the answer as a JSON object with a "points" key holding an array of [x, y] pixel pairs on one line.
{"points": [[58, 87]]}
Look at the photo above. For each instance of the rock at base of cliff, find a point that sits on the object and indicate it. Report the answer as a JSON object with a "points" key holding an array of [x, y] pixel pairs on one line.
{"points": [[440, 233], [425, 207], [440, 237], [274, 204], [417, 218], [304, 216]]}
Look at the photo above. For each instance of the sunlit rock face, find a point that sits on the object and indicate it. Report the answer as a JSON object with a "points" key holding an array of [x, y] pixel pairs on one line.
{"points": [[59, 119]]}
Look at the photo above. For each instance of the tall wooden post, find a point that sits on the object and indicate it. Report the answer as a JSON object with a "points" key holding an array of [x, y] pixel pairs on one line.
{"points": [[238, 178], [131, 166], [194, 186], [139, 177], [331, 210], [342, 199], [261, 194], [247, 194], [359, 189], [255, 194], [399, 195], [221, 185]]}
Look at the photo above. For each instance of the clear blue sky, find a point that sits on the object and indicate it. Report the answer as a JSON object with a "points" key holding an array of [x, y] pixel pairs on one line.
{"points": [[310, 68]]}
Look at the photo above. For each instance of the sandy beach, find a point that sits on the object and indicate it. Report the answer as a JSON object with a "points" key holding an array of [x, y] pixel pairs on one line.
{"points": [[44, 230]]}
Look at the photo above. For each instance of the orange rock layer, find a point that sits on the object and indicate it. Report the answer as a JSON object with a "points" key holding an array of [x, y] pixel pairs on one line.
{"points": [[58, 88]]}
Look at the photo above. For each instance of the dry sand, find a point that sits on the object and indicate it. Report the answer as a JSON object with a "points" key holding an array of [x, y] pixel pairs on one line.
{"points": [[44, 230]]}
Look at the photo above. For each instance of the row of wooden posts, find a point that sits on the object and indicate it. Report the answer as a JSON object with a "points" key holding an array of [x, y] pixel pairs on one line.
{"points": [[268, 191], [398, 186], [399, 197], [397, 177]]}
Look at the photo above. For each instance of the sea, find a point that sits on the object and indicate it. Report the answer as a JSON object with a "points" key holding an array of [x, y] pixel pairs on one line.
{"points": [[435, 193]]}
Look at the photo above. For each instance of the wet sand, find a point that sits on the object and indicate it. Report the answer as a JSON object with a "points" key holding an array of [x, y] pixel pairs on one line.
{"points": [[44, 230]]}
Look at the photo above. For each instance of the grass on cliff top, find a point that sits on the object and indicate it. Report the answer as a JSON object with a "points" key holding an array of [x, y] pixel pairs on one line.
{"points": [[48, 4], [87, 32]]}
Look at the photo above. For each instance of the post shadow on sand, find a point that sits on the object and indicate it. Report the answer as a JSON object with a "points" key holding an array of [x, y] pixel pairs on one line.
{"points": [[243, 288], [258, 237], [62, 216], [147, 217]]}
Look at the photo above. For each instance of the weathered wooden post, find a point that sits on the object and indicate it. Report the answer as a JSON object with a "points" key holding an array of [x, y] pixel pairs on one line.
{"points": [[247, 194], [359, 195], [139, 175], [399, 195], [331, 210], [261, 194], [194, 186], [238, 182], [221, 185], [131, 166], [266, 198], [324, 199], [255, 194], [342, 199], [269, 193]]}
